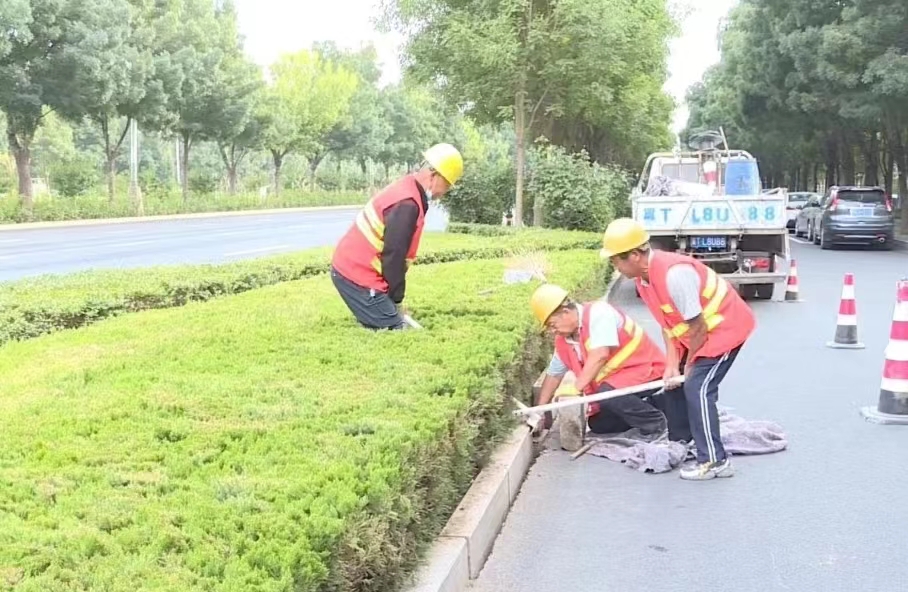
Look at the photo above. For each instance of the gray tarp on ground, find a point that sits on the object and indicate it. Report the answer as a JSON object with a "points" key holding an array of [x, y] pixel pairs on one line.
{"points": [[740, 436]]}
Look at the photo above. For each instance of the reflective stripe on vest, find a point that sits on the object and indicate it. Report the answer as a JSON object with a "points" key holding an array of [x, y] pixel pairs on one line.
{"points": [[622, 355], [714, 292], [373, 229]]}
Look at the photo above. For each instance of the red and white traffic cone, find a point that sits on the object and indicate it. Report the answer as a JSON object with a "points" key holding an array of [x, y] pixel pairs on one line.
{"points": [[793, 290], [846, 330], [892, 407]]}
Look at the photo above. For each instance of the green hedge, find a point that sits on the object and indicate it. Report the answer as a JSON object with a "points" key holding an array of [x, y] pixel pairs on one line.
{"points": [[260, 442], [33, 307], [97, 206]]}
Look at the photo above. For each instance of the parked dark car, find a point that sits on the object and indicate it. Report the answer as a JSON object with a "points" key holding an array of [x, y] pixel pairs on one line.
{"points": [[848, 215]]}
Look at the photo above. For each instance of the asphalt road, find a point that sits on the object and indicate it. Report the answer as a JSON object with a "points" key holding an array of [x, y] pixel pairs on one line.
{"points": [[201, 240], [827, 514]]}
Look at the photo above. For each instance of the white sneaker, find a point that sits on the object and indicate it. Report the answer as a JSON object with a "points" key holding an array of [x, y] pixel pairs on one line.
{"points": [[708, 470]]}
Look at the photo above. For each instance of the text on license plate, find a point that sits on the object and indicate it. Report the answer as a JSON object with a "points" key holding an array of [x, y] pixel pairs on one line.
{"points": [[708, 242], [862, 212]]}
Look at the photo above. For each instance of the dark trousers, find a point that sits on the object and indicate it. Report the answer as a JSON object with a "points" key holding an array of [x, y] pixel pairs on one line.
{"points": [[692, 410], [630, 411], [373, 309]]}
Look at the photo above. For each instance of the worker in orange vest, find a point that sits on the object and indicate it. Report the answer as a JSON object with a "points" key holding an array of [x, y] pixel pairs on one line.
{"points": [[705, 323], [605, 350], [370, 263]]}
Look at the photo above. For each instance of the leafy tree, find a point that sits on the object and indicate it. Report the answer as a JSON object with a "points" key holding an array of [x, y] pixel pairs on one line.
{"points": [[554, 68], [216, 82], [308, 96], [818, 89], [50, 41], [361, 133]]}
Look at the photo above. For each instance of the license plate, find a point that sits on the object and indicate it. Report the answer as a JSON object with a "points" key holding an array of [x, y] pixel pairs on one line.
{"points": [[708, 242], [862, 212]]}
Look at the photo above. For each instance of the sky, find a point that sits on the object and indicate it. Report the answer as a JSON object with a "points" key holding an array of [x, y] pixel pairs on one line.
{"points": [[272, 27]]}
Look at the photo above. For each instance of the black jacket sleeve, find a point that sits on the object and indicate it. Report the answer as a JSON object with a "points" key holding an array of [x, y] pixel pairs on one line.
{"points": [[400, 224]]}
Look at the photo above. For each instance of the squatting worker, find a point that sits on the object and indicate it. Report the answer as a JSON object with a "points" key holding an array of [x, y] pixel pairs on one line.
{"points": [[606, 350], [705, 323], [370, 263]]}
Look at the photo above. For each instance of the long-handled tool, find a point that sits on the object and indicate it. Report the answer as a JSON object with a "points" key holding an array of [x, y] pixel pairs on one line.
{"points": [[412, 322], [573, 401]]}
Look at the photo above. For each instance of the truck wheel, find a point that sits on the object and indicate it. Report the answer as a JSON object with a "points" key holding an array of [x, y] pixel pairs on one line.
{"points": [[747, 291], [763, 291]]}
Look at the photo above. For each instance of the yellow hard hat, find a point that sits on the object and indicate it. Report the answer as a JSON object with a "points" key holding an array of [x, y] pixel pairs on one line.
{"points": [[445, 159], [621, 236], [546, 300]]}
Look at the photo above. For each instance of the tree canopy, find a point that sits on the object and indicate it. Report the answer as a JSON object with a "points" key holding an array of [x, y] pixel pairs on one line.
{"points": [[817, 89]]}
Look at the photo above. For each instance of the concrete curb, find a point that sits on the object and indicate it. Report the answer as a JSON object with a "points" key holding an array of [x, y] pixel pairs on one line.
{"points": [[465, 543], [900, 244], [165, 217], [460, 552]]}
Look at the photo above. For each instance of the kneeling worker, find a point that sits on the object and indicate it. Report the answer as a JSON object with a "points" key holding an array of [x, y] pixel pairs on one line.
{"points": [[705, 324], [606, 350], [369, 265]]}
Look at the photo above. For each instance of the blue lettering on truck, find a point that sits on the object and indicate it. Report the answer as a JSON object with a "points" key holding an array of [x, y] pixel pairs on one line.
{"points": [[704, 215]]}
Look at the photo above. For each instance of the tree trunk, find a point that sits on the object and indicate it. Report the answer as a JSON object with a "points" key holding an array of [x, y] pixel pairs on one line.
{"points": [[888, 172], [278, 159], [22, 153], [872, 161], [816, 177], [520, 129], [184, 177], [831, 162], [232, 179], [111, 168], [314, 163], [848, 164], [899, 151]]}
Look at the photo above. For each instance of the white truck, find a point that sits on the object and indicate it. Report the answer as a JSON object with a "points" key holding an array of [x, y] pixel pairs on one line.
{"points": [[709, 204]]}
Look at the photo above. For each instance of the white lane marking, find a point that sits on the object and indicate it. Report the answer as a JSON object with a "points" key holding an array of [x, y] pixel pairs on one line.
{"points": [[799, 240], [250, 251], [118, 245]]}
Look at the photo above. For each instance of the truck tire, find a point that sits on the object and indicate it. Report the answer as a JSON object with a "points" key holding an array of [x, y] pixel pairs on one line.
{"points": [[756, 291], [747, 291], [764, 291]]}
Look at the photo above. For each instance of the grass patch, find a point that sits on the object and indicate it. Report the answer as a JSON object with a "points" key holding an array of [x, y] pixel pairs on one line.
{"points": [[262, 441], [33, 307]]}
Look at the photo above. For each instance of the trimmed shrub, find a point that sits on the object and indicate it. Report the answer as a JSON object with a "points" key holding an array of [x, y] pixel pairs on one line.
{"points": [[262, 441], [33, 307], [576, 194], [158, 202]]}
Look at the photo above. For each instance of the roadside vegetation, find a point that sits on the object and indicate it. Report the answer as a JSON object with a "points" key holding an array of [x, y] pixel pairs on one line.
{"points": [[230, 427], [318, 127], [37, 306], [818, 91], [263, 441]]}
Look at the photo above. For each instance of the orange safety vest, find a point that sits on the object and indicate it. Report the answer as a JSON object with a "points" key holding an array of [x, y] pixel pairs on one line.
{"points": [[729, 320], [358, 254], [636, 359]]}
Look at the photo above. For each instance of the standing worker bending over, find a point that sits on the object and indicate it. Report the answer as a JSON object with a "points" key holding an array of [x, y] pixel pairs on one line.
{"points": [[370, 263], [705, 323], [606, 350]]}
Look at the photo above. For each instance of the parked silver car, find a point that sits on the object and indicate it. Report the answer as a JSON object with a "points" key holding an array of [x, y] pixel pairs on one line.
{"points": [[796, 201], [848, 215]]}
